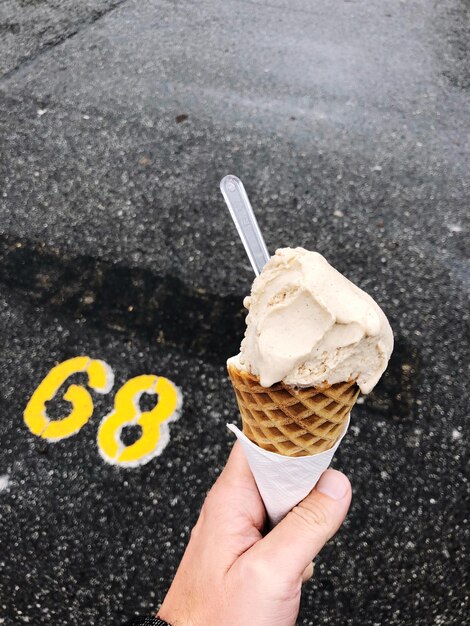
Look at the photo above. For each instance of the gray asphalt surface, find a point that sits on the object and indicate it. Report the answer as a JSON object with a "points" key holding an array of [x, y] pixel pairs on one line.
{"points": [[348, 123]]}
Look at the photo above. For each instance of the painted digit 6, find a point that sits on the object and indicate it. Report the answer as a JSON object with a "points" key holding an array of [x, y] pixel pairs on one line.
{"points": [[154, 423], [100, 378]]}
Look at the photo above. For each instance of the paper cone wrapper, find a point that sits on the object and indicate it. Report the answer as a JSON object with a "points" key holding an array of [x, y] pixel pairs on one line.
{"points": [[284, 481]]}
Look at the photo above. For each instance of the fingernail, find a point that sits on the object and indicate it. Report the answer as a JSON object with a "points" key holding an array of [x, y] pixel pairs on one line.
{"points": [[333, 484]]}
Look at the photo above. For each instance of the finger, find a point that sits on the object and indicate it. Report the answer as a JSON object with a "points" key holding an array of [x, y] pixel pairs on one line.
{"points": [[300, 536], [235, 495], [237, 468], [308, 572], [236, 491]]}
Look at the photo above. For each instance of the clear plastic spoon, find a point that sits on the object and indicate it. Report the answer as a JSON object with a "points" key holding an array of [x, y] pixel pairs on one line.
{"points": [[242, 214]]}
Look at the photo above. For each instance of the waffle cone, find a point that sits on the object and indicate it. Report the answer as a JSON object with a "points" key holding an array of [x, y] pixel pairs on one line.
{"points": [[292, 421]]}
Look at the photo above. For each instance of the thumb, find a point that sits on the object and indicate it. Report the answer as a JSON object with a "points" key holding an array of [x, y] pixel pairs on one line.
{"points": [[293, 544]]}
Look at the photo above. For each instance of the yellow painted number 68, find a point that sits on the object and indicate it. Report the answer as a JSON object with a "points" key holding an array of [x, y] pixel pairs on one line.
{"points": [[154, 423]]}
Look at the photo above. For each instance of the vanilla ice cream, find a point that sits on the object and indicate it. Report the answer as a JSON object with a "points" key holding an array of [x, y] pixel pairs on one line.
{"points": [[308, 325]]}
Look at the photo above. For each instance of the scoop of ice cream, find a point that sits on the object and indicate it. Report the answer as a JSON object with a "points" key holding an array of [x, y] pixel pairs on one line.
{"points": [[308, 325]]}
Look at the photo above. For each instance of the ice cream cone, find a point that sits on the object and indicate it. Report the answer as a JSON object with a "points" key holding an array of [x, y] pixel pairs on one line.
{"points": [[292, 421]]}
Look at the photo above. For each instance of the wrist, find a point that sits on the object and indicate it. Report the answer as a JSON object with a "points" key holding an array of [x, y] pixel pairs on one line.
{"points": [[177, 616], [169, 618], [175, 613]]}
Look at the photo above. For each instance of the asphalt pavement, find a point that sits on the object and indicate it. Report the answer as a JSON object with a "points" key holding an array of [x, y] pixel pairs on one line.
{"points": [[348, 123]]}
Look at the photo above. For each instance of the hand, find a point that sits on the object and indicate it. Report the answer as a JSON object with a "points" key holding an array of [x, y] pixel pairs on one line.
{"points": [[231, 575]]}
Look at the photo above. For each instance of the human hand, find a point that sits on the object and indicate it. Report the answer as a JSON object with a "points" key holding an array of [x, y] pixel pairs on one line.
{"points": [[231, 574]]}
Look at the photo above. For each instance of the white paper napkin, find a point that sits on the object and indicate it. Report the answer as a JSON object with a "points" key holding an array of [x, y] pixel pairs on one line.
{"points": [[284, 481]]}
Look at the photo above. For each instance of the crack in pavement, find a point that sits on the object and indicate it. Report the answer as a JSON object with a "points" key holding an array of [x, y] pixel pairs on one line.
{"points": [[45, 47]]}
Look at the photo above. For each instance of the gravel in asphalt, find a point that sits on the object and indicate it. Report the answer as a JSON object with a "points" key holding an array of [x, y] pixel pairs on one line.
{"points": [[348, 123]]}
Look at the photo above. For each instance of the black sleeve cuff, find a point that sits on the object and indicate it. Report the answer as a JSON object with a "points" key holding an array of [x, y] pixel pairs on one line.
{"points": [[147, 621]]}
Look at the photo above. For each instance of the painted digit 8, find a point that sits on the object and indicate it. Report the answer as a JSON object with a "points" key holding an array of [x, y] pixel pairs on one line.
{"points": [[100, 378], [154, 423]]}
